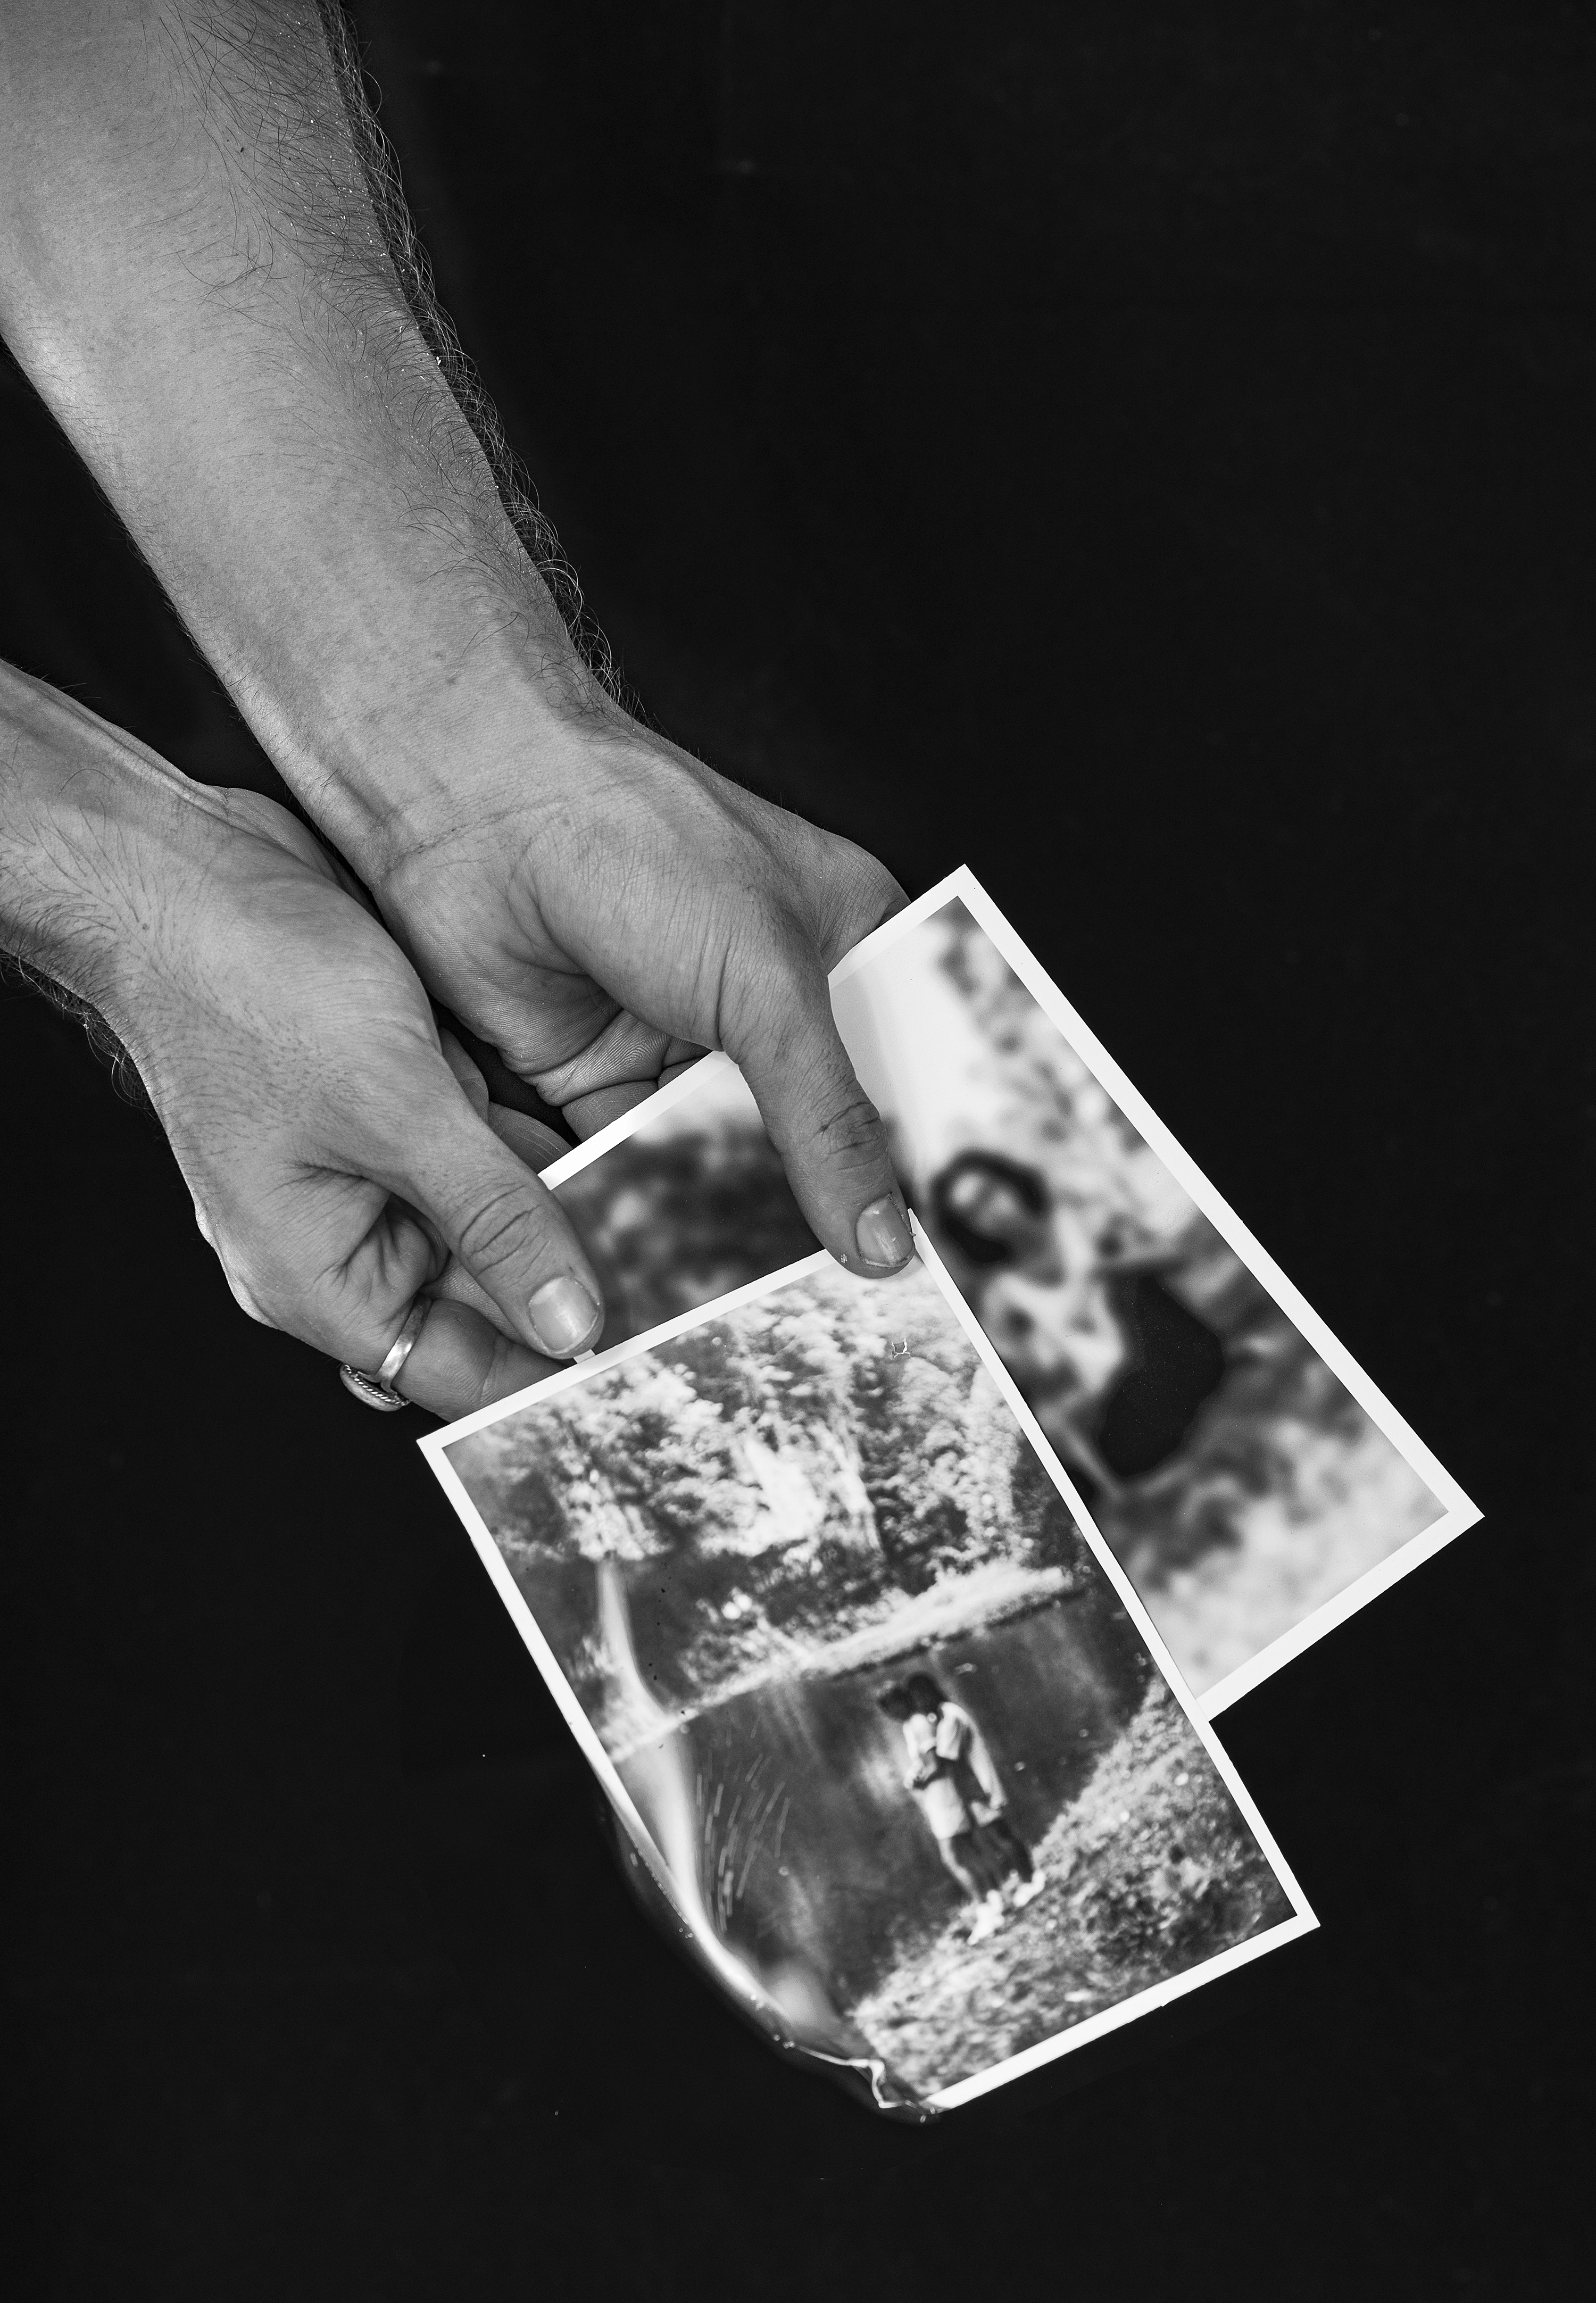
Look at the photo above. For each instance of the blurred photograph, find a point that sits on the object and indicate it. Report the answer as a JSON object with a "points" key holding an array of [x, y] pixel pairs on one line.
{"points": [[686, 1202], [881, 1716], [1255, 1485]]}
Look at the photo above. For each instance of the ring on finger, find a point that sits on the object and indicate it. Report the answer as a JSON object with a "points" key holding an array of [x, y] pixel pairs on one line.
{"points": [[377, 1391]]}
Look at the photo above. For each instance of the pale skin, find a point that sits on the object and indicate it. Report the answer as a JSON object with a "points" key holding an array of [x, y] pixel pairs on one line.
{"points": [[337, 1146], [194, 276]]}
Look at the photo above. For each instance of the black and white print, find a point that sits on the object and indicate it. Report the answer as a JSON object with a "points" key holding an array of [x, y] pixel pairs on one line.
{"points": [[883, 1718], [1251, 1479]]}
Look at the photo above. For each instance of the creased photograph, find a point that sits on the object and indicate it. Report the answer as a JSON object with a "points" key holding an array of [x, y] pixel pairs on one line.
{"points": [[904, 1759], [1251, 1479]]}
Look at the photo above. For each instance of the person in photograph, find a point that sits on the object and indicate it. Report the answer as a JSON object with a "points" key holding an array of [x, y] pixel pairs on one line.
{"points": [[953, 1744], [939, 1796], [1115, 1365]]}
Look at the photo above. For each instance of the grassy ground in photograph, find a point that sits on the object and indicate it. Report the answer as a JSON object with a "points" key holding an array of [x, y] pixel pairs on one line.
{"points": [[1149, 1873]]}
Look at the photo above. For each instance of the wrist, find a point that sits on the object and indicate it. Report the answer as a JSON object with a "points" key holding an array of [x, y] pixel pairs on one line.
{"points": [[498, 752], [225, 339], [101, 847], [466, 709]]}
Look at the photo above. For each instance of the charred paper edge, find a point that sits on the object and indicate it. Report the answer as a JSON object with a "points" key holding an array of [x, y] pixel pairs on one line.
{"points": [[1459, 1512], [435, 1445]]}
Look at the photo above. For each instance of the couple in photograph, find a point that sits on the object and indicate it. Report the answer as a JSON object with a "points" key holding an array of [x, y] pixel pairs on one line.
{"points": [[957, 1789], [1115, 1365]]}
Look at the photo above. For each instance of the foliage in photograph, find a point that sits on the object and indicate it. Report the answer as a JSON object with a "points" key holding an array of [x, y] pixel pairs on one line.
{"points": [[908, 1761], [1151, 1870], [771, 1483]]}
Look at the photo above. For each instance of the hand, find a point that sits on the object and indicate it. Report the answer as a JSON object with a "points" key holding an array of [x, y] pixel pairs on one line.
{"points": [[342, 1155], [218, 328], [601, 906]]}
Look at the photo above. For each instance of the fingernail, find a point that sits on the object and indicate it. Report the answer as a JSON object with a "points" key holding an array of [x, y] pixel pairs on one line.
{"points": [[564, 1317], [883, 1235]]}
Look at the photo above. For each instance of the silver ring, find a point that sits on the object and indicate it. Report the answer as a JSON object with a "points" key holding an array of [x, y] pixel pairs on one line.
{"points": [[377, 1391]]}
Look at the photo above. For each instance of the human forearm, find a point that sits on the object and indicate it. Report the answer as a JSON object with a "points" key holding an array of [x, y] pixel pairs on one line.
{"points": [[92, 833], [122, 880], [193, 273]]}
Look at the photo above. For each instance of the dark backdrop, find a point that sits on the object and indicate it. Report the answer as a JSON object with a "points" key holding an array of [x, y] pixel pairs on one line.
{"points": [[1144, 452]]}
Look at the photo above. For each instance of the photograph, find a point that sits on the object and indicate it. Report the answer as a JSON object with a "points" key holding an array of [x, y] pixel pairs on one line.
{"points": [[1255, 1483], [644, 641], [681, 1202], [857, 1678], [1252, 1482]]}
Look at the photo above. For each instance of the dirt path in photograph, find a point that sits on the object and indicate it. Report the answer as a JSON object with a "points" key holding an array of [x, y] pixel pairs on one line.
{"points": [[1149, 1873]]}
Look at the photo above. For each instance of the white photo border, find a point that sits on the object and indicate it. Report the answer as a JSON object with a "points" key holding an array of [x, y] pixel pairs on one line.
{"points": [[1459, 1512], [435, 1446]]}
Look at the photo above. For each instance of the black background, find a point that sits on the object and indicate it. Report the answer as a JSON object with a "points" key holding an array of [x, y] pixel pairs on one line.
{"points": [[1142, 451]]}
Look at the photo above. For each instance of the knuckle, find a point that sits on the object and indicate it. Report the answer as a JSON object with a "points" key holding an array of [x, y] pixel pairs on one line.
{"points": [[273, 1299], [859, 894], [500, 1376], [255, 1287], [501, 1229], [852, 1136], [866, 879], [245, 1296]]}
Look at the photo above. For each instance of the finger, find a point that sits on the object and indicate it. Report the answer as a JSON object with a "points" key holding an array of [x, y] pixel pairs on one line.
{"points": [[537, 1146], [617, 1068], [459, 1363], [468, 1073], [588, 1113], [505, 1227], [627, 1049], [353, 1302], [779, 1031], [532, 1143], [455, 1285]]}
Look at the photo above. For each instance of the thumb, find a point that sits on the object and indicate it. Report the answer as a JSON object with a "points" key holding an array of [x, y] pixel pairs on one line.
{"points": [[781, 1033], [506, 1229]]}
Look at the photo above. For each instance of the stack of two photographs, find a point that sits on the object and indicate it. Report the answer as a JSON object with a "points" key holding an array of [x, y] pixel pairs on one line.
{"points": [[892, 1615]]}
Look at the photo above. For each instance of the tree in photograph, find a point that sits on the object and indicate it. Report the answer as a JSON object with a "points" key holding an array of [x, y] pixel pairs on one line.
{"points": [[1041, 1517], [784, 1472], [908, 1421]]}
